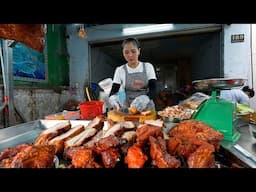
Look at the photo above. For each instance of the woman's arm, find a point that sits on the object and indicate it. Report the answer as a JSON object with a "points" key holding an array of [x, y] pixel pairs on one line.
{"points": [[152, 89], [114, 89]]}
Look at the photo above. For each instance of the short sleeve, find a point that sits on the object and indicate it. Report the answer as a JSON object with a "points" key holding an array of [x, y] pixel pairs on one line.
{"points": [[117, 75], [150, 71]]}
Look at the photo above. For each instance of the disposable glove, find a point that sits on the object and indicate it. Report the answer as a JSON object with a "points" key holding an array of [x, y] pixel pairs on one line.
{"points": [[140, 102], [114, 102]]}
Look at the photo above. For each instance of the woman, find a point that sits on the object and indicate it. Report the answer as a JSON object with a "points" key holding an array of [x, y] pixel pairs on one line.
{"points": [[138, 79]]}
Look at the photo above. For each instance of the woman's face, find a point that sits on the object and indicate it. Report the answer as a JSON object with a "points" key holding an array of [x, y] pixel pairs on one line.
{"points": [[131, 53]]}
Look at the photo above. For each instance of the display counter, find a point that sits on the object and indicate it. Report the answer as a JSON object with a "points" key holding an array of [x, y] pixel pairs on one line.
{"points": [[243, 150]]}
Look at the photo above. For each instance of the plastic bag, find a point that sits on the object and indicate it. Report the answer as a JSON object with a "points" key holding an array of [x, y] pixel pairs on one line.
{"points": [[195, 100], [140, 102]]}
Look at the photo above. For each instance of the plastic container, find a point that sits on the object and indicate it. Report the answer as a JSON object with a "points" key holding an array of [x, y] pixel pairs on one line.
{"points": [[106, 85], [94, 86], [56, 116], [90, 109], [71, 115]]}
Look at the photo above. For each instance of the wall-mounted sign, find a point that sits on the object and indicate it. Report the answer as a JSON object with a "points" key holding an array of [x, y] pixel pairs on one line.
{"points": [[237, 38]]}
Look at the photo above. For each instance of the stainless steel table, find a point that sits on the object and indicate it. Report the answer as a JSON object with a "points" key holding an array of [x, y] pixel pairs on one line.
{"points": [[245, 147]]}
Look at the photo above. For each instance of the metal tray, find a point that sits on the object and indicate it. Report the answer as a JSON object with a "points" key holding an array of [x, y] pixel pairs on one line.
{"points": [[218, 83], [28, 132]]}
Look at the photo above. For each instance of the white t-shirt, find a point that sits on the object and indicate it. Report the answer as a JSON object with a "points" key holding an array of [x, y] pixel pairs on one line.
{"points": [[119, 76], [235, 95]]}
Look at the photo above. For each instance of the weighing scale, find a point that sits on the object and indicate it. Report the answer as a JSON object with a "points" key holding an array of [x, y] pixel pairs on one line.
{"points": [[218, 113]]}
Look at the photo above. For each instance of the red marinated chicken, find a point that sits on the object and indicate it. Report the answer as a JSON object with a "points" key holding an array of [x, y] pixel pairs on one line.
{"points": [[198, 130], [110, 157], [12, 151], [144, 131], [81, 157], [159, 155], [35, 157], [203, 157], [135, 157], [108, 148]]}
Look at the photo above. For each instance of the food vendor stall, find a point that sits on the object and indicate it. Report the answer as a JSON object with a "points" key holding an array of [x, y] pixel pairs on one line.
{"points": [[239, 154]]}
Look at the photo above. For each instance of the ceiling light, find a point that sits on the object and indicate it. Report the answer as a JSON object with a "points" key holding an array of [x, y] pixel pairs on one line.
{"points": [[147, 29]]}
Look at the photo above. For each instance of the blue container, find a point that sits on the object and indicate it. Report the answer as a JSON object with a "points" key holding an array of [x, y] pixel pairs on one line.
{"points": [[94, 86]]}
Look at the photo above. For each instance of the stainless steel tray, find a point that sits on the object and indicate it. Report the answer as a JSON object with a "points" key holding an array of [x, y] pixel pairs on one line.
{"points": [[28, 132], [218, 83]]}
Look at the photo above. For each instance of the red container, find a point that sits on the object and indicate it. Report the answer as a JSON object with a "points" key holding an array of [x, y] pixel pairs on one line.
{"points": [[90, 109]]}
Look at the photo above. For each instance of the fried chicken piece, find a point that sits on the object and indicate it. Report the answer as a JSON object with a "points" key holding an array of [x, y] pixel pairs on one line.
{"points": [[6, 163], [81, 157], [203, 157], [144, 131], [159, 155], [12, 151], [183, 145], [35, 157], [135, 157], [105, 143], [198, 130], [110, 157]]}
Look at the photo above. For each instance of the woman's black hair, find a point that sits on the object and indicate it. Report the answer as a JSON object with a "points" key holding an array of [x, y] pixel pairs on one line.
{"points": [[250, 91], [131, 40]]}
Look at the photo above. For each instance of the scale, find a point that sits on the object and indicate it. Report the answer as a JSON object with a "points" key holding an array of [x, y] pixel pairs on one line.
{"points": [[216, 112]]}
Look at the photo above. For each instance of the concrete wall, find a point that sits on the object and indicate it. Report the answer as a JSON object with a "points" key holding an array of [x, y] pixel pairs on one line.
{"points": [[237, 56], [34, 104]]}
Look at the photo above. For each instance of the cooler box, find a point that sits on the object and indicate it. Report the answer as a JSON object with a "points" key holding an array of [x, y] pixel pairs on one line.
{"points": [[90, 109]]}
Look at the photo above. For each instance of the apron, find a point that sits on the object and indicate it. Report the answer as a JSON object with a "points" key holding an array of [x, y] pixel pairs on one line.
{"points": [[136, 84]]}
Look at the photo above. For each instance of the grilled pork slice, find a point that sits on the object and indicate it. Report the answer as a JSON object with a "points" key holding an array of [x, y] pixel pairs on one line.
{"points": [[51, 132], [158, 122], [81, 138], [59, 140], [94, 139], [117, 129], [96, 123], [128, 125]]}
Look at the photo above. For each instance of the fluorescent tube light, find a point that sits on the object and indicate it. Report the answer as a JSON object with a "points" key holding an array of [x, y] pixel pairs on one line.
{"points": [[147, 29]]}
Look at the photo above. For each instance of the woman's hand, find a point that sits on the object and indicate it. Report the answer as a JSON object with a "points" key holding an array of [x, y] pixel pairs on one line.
{"points": [[114, 102], [140, 102]]}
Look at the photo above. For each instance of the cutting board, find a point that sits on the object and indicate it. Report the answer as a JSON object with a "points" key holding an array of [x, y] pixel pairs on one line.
{"points": [[118, 116]]}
